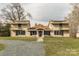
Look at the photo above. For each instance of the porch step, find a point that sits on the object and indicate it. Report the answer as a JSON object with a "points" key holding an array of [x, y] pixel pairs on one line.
{"points": [[40, 40]]}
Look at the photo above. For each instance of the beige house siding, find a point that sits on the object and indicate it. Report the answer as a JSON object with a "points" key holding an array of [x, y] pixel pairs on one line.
{"points": [[52, 33], [66, 34], [77, 35], [54, 26], [12, 33], [24, 27]]}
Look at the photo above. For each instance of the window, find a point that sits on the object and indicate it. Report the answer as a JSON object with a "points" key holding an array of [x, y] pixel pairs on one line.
{"points": [[56, 32], [33, 33], [46, 32], [60, 32], [20, 32], [19, 25]]}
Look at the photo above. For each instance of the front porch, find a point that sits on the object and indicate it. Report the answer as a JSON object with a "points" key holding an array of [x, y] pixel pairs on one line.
{"points": [[39, 30], [39, 33]]}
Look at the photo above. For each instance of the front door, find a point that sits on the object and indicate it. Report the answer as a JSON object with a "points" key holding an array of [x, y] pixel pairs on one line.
{"points": [[40, 33]]}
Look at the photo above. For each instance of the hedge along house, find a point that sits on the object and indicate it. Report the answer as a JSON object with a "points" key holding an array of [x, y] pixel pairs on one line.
{"points": [[39, 30], [59, 28], [19, 28]]}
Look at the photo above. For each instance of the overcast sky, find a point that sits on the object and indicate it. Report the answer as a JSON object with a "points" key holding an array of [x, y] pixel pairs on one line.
{"points": [[43, 12]]}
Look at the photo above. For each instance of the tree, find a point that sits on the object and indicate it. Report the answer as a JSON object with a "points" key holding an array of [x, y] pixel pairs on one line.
{"points": [[14, 12], [73, 19]]}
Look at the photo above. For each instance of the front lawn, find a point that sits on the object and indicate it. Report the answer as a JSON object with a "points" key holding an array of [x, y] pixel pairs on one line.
{"points": [[2, 47], [19, 38], [61, 46]]}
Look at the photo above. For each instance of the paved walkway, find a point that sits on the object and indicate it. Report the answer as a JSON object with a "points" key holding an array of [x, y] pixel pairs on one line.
{"points": [[22, 48], [40, 39]]}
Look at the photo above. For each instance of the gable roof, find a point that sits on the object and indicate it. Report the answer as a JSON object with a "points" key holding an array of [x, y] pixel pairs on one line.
{"points": [[40, 27]]}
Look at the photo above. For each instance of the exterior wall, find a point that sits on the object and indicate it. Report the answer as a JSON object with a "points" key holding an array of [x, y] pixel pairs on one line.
{"points": [[77, 35], [12, 33], [27, 33], [24, 27], [50, 26], [52, 33], [15, 27], [66, 34]]}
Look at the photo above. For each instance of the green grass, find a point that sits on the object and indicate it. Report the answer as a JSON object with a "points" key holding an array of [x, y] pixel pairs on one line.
{"points": [[61, 46], [2, 47], [19, 38]]}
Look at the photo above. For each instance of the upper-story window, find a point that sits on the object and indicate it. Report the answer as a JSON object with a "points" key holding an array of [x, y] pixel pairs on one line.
{"points": [[60, 25], [19, 25]]}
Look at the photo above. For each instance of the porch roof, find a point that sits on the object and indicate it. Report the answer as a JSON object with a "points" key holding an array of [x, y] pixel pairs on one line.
{"points": [[59, 21], [39, 27]]}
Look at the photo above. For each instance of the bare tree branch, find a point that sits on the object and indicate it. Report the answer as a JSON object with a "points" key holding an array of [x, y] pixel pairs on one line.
{"points": [[14, 12], [73, 19]]}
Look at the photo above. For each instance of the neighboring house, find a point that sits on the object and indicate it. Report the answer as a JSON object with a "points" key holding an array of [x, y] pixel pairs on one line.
{"points": [[54, 28], [59, 28]]}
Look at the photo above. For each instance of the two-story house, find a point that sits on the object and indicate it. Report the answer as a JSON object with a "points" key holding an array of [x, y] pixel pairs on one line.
{"points": [[59, 28], [19, 28]]}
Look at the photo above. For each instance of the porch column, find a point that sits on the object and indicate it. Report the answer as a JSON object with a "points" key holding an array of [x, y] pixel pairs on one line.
{"points": [[52, 33], [37, 34], [42, 33]]}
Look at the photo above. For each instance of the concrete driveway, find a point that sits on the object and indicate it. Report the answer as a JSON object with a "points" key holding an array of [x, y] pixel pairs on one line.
{"points": [[22, 48]]}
